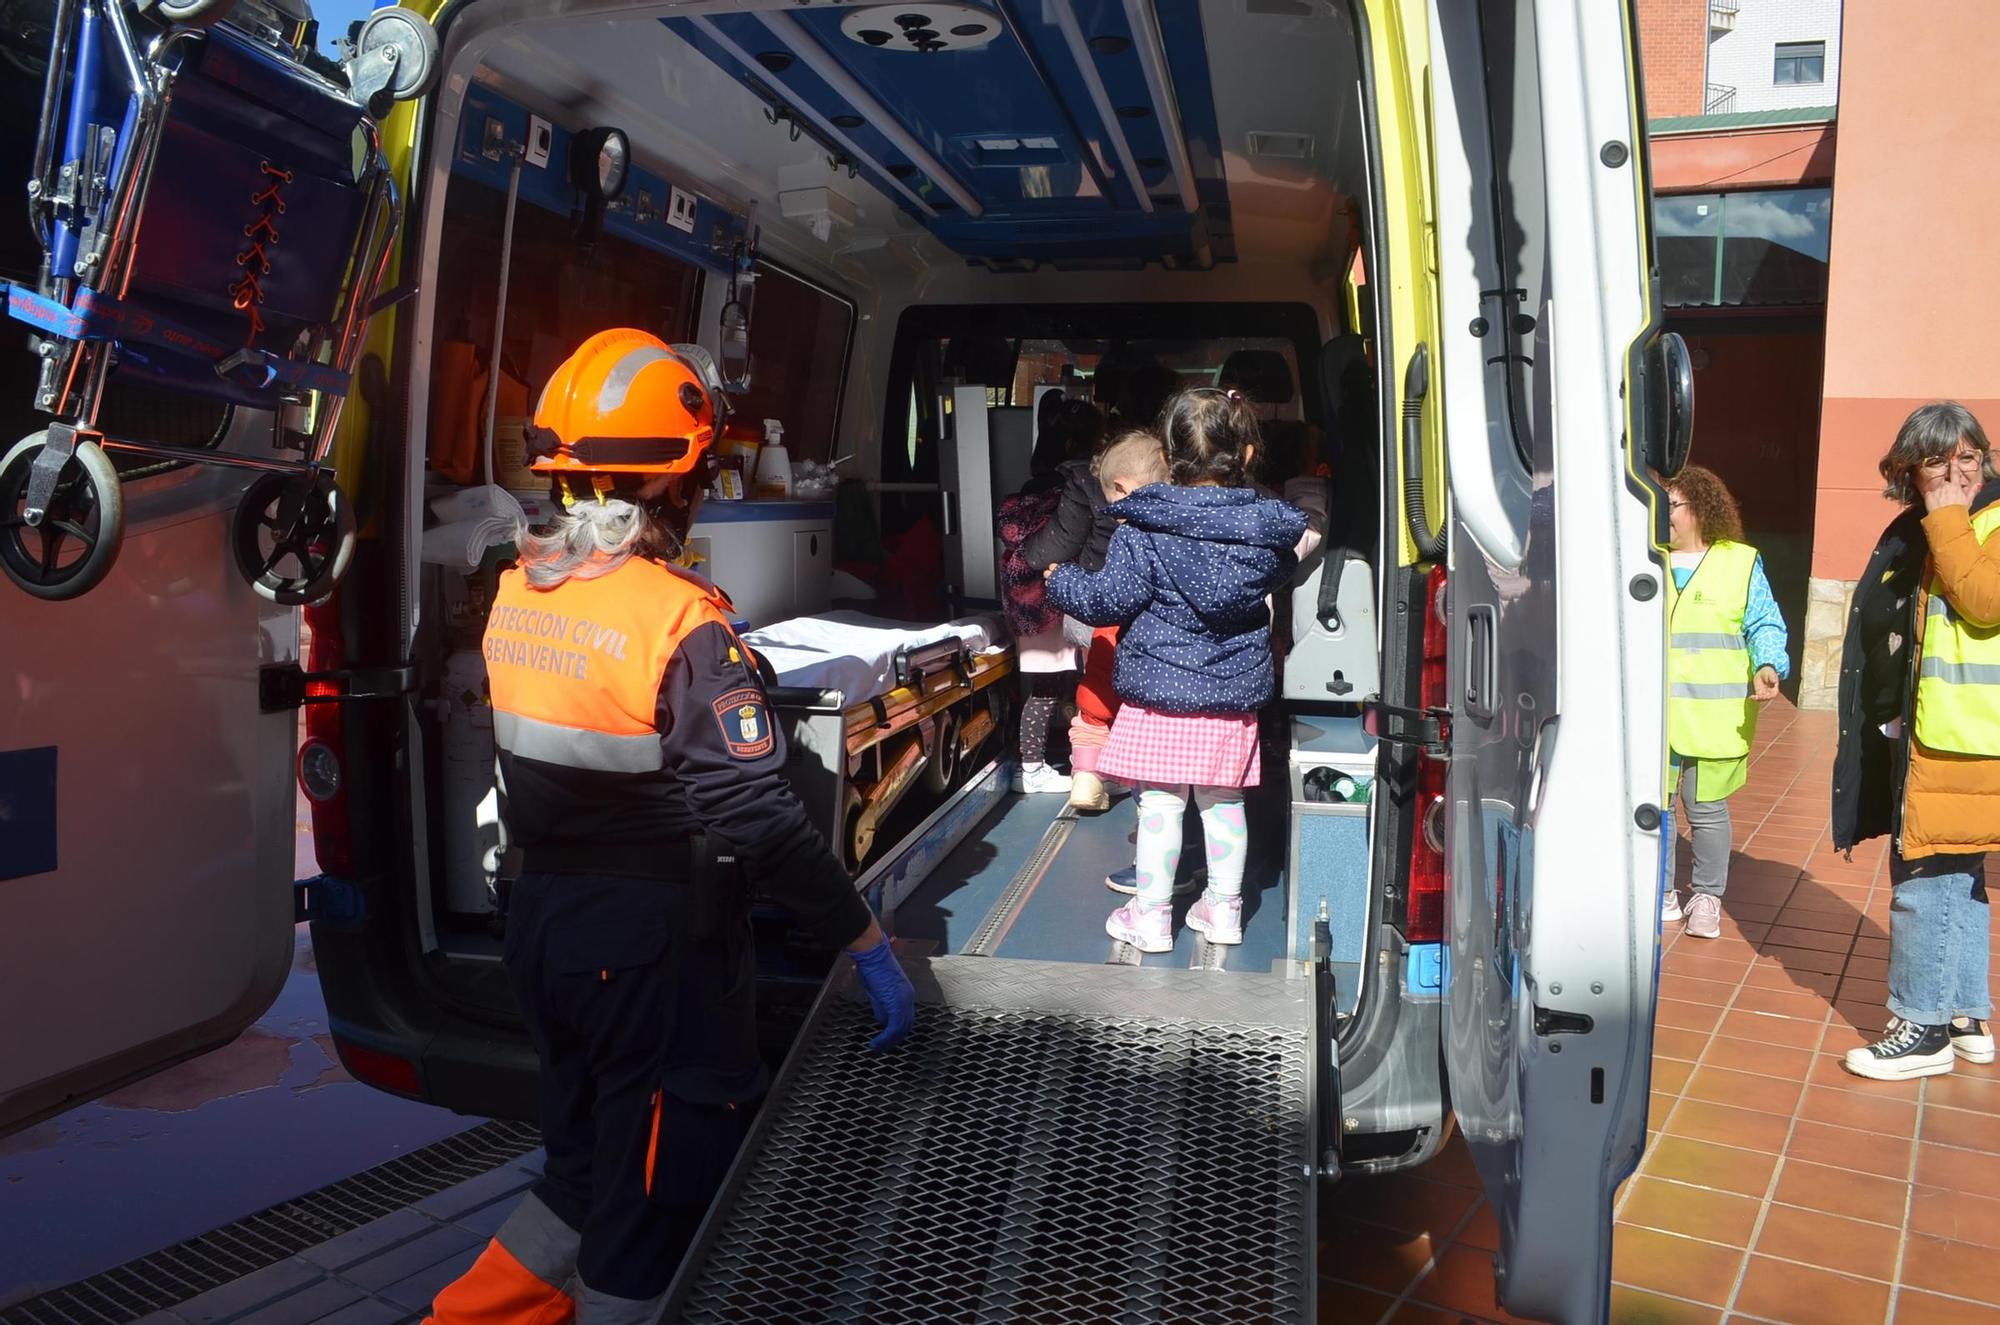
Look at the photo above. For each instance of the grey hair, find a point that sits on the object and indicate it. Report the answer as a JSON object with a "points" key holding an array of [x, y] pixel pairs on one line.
{"points": [[590, 539], [1931, 431]]}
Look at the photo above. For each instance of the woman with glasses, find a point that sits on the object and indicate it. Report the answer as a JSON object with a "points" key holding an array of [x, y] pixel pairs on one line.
{"points": [[1727, 652], [1919, 753]]}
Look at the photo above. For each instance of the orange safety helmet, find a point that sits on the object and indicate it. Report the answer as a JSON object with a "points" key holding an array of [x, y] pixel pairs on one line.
{"points": [[627, 403]]}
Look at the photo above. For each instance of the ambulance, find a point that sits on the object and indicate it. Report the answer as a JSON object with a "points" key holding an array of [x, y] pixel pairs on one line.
{"points": [[1414, 232]]}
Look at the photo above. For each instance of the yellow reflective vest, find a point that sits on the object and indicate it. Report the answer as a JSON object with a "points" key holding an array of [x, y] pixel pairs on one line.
{"points": [[1710, 711], [1958, 675]]}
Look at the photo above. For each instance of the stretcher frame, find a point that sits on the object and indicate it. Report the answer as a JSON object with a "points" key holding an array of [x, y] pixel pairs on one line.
{"points": [[854, 764]]}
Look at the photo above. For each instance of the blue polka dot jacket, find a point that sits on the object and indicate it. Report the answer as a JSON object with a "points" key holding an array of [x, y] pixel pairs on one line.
{"points": [[1188, 575]]}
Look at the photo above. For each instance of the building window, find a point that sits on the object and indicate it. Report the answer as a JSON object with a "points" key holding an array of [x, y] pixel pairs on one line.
{"points": [[1766, 248], [799, 338], [1799, 62]]}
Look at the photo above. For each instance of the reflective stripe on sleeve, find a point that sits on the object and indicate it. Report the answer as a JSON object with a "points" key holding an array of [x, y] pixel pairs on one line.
{"points": [[576, 747]]}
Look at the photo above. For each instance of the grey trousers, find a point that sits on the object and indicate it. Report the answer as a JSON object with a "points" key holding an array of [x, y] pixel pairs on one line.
{"points": [[1708, 823]]}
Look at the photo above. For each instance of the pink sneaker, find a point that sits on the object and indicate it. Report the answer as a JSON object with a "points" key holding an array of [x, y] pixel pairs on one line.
{"points": [[1147, 928], [1219, 919], [1704, 916]]}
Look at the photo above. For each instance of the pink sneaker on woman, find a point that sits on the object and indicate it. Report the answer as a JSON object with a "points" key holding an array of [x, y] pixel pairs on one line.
{"points": [[1147, 928], [1218, 919]]}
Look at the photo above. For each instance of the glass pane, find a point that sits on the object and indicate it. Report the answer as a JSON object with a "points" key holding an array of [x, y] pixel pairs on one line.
{"points": [[1513, 96], [1813, 70], [1685, 229], [1775, 246], [798, 362]]}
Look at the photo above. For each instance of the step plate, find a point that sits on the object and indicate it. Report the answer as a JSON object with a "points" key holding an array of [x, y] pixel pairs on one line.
{"points": [[1056, 1143]]}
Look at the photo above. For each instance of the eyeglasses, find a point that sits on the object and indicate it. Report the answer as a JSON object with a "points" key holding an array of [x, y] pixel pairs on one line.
{"points": [[1967, 459], [1678, 505]]}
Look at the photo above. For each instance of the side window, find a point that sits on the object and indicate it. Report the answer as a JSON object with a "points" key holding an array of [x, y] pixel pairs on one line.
{"points": [[799, 336]]}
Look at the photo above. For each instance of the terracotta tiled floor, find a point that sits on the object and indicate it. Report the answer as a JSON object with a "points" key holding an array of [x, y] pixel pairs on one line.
{"points": [[1775, 1186]]}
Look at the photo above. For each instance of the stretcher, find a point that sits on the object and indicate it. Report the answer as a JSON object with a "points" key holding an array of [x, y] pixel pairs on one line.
{"points": [[216, 220], [875, 709]]}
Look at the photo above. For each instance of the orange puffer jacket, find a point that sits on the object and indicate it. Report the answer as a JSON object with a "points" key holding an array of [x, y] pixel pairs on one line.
{"points": [[1951, 802]]}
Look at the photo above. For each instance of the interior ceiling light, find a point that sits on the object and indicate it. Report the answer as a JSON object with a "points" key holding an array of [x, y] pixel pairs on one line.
{"points": [[925, 27]]}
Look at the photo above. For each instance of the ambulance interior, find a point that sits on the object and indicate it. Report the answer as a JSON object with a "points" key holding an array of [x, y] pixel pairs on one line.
{"points": [[927, 214]]}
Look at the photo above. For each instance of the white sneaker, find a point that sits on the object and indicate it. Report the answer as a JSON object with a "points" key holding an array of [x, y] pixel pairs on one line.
{"points": [[1218, 919], [1147, 928], [1704, 916], [1670, 907], [1040, 780]]}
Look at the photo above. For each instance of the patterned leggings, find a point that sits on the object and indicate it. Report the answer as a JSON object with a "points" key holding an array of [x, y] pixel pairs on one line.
{"points": [[1226, 831], [1039, 710]]}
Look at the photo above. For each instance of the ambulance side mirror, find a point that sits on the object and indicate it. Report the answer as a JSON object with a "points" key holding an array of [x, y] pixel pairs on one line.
{"points": [[1665, 410]]}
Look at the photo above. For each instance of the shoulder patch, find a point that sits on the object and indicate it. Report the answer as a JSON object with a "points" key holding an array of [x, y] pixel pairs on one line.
{"points": [[745, 720]]}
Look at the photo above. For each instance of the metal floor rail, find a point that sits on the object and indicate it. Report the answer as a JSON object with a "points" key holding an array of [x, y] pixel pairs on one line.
{"points": [[1056, 1143]]}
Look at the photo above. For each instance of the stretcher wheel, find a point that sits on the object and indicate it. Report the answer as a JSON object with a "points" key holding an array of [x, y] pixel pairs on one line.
{"points": [[193, 13], [410, 46], [941, 772], [293, 537], [71, 551], [854, 844]]}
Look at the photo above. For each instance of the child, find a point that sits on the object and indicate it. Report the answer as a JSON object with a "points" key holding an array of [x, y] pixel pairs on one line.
{"points": [[1188, 574], [1044, 647], [1080, 531]]}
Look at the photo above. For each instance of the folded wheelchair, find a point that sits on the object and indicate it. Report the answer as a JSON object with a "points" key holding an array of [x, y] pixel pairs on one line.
{"points": [[216, 219]]}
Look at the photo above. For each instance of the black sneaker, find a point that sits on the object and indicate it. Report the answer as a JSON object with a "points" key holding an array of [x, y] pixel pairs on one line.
{"points": [[1906, 1051], [1972, 1041]]}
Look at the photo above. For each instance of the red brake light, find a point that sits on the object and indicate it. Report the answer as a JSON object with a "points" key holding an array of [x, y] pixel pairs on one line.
{"points": [[323, 751], [1424, 920], [383, 1071]]}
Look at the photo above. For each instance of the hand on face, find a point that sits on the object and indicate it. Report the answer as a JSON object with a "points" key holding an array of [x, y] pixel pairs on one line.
{"points": [[1952, 484]]}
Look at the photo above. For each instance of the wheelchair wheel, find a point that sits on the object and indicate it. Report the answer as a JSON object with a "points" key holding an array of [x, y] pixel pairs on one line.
{"points": [[193, 13], [71, 551], [415, 43], [293, 537]]}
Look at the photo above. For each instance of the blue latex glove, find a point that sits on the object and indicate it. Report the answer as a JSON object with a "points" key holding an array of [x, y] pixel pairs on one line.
{"points": [[889, 993]]}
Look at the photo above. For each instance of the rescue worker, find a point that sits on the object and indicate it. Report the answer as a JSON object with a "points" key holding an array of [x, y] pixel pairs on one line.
{"points": [[631, 721]]}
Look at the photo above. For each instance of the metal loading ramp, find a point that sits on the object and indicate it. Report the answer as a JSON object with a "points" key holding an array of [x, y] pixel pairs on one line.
{"points": [[1056, 1143]]}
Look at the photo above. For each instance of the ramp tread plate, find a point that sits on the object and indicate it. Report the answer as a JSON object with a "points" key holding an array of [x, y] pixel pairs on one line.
{"points": [[1056, 1143]]}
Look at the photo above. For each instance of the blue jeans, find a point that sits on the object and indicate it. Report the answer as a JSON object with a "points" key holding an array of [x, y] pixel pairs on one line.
{"points": [[1938, 939]]}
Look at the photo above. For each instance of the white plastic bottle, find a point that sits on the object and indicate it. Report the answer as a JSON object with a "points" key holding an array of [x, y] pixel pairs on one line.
{"points": [[774, 464]]}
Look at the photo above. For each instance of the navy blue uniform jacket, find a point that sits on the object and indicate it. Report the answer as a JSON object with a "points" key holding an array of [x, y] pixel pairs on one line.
{"points": [[1187, 575]]}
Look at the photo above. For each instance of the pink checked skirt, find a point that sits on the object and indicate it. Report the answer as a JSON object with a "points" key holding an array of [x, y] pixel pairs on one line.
{"points": [[1181, 749]]}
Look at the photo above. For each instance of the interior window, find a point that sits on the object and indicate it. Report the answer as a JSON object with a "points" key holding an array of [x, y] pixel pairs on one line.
{"points": [[799, 334], [558, 294]]}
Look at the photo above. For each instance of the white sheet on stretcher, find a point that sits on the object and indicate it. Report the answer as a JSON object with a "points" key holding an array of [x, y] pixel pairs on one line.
{"points": [[855, 653]]}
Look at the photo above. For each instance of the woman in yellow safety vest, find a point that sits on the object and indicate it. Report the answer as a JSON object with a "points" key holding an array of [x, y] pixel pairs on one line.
{"points": [[1919, 753], [1726, 655]]}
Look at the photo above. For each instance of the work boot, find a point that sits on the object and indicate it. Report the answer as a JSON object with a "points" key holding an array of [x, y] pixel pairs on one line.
{"points": [[1217, 918], [1147, 928], [1087, 792], [1906, 1052], [1704, 916]]}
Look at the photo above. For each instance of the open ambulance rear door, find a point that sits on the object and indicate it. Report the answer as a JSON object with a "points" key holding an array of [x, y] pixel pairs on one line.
{"points": [[147, 807], [1552, 604]]}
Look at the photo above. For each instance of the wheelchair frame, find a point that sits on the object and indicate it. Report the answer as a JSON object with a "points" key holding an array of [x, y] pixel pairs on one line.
{"points": [[86, 215]]}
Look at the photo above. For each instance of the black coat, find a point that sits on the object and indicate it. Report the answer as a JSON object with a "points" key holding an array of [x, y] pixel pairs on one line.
{"points": [[1875, 688], [1079, 531]]}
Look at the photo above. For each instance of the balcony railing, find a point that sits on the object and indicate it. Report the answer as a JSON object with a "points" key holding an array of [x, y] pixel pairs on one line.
{"points": [[1722, 15], [1718, 100]]}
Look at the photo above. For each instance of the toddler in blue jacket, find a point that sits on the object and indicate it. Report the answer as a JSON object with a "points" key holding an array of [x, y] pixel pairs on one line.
{"points": [[1188, 575]]}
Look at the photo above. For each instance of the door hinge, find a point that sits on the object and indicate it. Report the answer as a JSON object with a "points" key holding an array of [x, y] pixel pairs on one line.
{"points": [[1429, 729], [282, 686]]}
